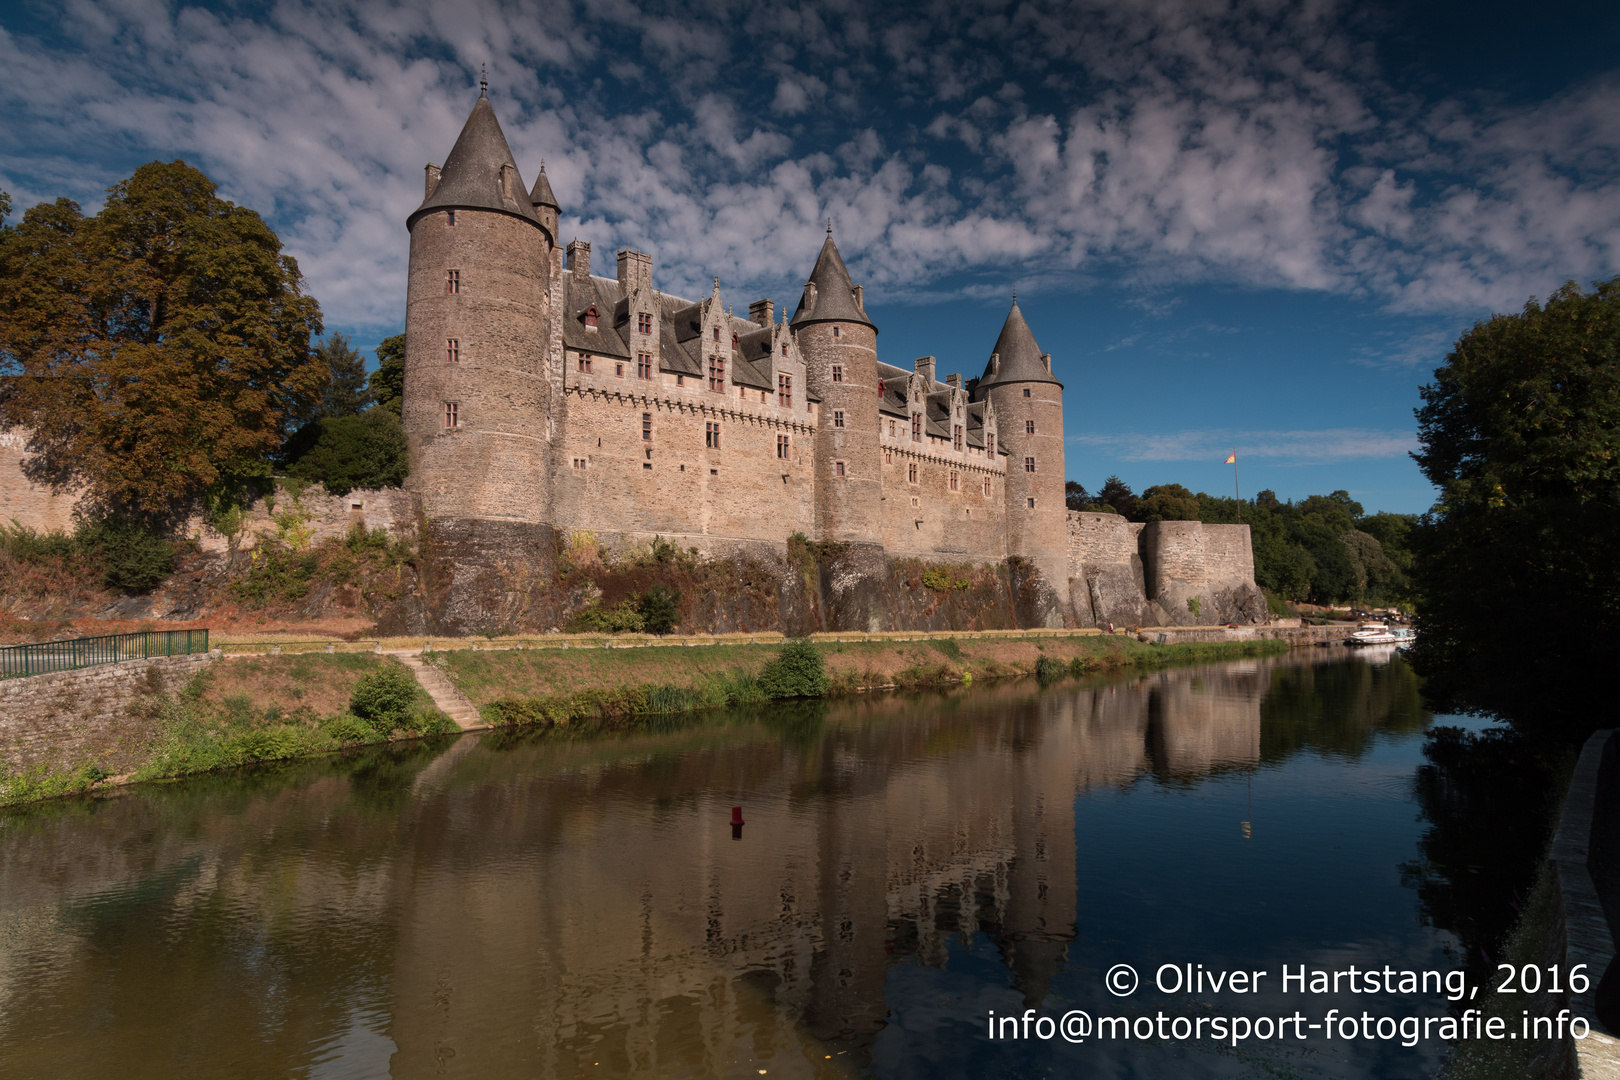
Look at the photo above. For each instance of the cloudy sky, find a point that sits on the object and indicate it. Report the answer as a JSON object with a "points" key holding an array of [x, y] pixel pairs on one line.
{"points": [[1252, 225]]}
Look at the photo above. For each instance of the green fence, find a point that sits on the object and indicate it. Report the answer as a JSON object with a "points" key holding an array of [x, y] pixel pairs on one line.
{"points": [[17, 661]]}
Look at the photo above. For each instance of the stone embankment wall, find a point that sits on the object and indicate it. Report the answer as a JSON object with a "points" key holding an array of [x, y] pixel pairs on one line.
{"points": [[29, 504], [93, 716], [1165, 573]]}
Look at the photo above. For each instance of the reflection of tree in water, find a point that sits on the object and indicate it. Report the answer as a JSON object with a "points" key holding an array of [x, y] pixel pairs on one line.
{"points": [[1490, 800], [1337, 708]]}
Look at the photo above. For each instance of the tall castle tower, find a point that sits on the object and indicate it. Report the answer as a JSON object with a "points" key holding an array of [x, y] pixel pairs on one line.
{"points": [[477, 321], [839, 345], [1028, 401]]}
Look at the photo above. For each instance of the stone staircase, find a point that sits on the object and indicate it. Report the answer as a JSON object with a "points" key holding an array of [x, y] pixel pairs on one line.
{"points": [[443, 692]]}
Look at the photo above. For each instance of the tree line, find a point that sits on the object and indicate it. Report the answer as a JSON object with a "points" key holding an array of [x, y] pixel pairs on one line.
{"points": [[1324, 549]]}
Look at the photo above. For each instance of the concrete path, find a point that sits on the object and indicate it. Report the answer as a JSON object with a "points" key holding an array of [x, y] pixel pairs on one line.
{"points": [[442, 691]]}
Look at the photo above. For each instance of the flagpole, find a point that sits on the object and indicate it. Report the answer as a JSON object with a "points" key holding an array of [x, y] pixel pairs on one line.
{"points": [[1235, 489]]}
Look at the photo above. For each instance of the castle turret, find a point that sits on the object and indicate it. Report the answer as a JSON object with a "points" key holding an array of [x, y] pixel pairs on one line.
{"points": [[839, 345], [476, 326], [545, 204], [1028, 404]]}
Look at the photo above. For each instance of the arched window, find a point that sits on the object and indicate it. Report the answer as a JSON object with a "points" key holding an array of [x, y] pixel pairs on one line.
{"points": [[736, 343]]}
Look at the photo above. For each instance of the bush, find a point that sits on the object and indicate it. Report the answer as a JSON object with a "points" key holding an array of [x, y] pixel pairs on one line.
{"points": [[622, 618], [1048, 670], [385, 697], [347, 452], [659, 606], [349, 728], [798, 670], [133, 557], [944, 579]]}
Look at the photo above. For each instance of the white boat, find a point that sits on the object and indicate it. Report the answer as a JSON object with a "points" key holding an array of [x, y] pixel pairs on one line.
{"points": [[1372, 633]]}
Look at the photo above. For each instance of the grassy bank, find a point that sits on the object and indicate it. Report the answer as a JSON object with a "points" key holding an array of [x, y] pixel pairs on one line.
{"points": [[612, 688]]}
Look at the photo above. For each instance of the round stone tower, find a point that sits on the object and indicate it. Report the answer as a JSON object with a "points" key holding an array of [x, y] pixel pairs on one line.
{"points": [[839, 346], [1028, 401], [476, 320]]}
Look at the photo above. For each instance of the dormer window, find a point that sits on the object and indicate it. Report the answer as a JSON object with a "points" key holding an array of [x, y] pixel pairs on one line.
{"points": [[989, 446], [590, 317], [784, 348], [717, 333], [784, 390], [736, 343], [644, 323]]}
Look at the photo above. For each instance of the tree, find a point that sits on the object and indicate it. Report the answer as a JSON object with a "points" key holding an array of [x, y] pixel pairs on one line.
{"points": [[160, 347], [1117, 494], [387, 386], [1167, 502], [1520, 431], [346, 392], [5, 209], [1075, 495], [366, 450]]}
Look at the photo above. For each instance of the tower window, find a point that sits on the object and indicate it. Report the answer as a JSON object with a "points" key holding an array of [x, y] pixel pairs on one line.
{"points": [[891, 429], [955, 482], [579, 463], [717, 375], [916, 427], [452, 350], [911, 474], [1029, 464], [450, 218], [643, 365], [644, 323], [835, 331], [1026, 391], [784, 390], [452, 282], [1029, 427], [838, 468], [1032, 502], [782, 447], [956, 438], [646, 428], [989, 448], [618, 369], [987, 487], [711, 436], [584, 363], [451, 415], [838, 418], [838, 373]]}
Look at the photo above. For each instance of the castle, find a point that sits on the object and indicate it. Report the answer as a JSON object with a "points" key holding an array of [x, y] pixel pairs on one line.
{"points": [[539, 392]]}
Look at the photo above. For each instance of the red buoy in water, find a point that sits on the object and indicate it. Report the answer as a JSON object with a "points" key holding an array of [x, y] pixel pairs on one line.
{"points": [[736, 815]]}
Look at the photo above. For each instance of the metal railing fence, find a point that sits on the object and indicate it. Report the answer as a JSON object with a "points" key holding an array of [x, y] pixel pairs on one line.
{"points": [[41, 658]]}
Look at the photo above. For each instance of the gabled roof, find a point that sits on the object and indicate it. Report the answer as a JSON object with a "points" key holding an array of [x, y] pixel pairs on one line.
{"points": [[541, 195], [829, 295], [579, 297], [1020, 357], [471, 177]]}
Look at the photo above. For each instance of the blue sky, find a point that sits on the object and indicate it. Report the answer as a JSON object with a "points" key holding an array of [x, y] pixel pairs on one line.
{"points": [[1251, 225]]}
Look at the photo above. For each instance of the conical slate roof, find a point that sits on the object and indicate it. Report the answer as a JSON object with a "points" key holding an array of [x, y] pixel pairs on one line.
{"points": [[471, 177], [829, 296], [1020, 356], [541, 195]]}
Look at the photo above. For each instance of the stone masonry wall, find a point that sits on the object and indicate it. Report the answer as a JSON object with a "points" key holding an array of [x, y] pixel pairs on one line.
{"points": [[929, 520], [28, 504], [1106, 578], [88, 717]]}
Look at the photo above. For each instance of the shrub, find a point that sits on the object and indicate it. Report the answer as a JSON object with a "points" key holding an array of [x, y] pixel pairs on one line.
{"points": [[622, 618], [944, 579], [798, 670], [347, 452], [1049, 670], [385, 697], [659, 606], [1195, 604], [349, 728], [134, 558]]}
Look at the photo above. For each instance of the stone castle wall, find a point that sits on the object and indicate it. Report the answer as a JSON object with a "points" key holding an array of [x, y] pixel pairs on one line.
{"points": [[1164, 573], [31, 505], [928, 519]]}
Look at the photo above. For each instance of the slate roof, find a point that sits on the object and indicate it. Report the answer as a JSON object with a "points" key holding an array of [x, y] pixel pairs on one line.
{"points": [[541, 195], [829, 295], [471, 176], [1020, 356]]}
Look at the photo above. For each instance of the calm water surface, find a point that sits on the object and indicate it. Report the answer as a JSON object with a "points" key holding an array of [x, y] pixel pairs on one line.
{"points": [[539, 906]]}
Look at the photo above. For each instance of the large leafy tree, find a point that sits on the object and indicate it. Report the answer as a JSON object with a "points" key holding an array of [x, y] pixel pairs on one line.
{"points": [[160, 348], [387, 385], [1520, 431], [346, 392]]}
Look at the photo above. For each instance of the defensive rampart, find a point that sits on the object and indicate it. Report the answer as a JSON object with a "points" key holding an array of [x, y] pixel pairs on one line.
{"points": [[1164, 573]]}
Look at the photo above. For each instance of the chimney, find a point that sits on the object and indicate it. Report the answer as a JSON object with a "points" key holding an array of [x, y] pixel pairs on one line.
{"points": [[635, 271], [954, 382], [925, 368], [431, 181], [762, 312], [579, 259]]}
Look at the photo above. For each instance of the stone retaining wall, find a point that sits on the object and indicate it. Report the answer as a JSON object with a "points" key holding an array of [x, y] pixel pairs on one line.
{"points": [[92, 716]]}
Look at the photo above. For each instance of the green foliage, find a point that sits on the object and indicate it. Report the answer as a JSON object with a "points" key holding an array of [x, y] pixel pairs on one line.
{"points": [[660, 608], [348, 452], [133, 557], [1116, 495], [1520, 431], [1050, 669], [345, 393], [385, 697], [46, 782], [387, 385], [349, 728], [622, 618], [1167, 502], [1075, 496], [1195, 604], [797, 670], [945, 579]]}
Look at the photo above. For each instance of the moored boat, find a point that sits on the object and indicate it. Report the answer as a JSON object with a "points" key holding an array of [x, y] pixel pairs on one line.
{"points": [[1372, 633]]}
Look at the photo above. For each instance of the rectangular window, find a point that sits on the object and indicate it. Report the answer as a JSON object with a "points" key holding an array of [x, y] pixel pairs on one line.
{"points": [[585, 364], [643, 365], [452, 350], [955, 483], [450, 218], [838, 418], [838, 373], [644, 323], [711, 436], [717, 375], [717, 333], [452, 282], [1026, 391], [782, 447], [838, 468], [990, 446], [891, 429], [911, 473], [956, 438], [618, 369], [987, 488], [451, 415], [784, 391], [1032, 498], [579, 463], [916, 427], [1029, 427], [1029, 464], [888, 457], [646, 428], [680, 380]]}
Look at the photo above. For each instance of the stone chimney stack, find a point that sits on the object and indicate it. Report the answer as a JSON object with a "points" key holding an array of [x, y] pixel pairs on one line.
{"points": [[954, 382], [635, 271], [762, 312], [925, 368], [431, 181], [579, 259]]}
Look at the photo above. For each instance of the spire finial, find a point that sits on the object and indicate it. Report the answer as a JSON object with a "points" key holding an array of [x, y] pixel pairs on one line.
{"points": [[543, 169], [829, 226], [1015, 296], [483, 80]]}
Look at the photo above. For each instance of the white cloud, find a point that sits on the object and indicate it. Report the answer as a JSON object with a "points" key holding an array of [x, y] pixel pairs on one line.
{"points": [[1278, 447]]}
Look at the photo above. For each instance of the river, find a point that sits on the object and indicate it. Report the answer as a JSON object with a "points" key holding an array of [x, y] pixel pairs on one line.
{"points": [[909, 868]]}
